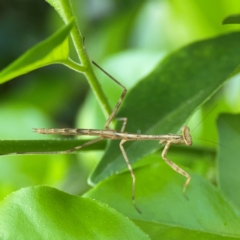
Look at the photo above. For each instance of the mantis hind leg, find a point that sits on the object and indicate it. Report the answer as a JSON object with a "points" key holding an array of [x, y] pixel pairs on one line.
{"points": [[131, 171], [112, 115], [124, 123]]}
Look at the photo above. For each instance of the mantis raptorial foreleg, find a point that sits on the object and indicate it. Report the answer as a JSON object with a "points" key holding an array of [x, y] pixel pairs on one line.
{"points": [[174, 166]]}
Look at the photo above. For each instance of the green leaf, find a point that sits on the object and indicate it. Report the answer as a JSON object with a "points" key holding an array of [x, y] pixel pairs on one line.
{"points": [[58, 6], [232, 19], [62, 7], [47, 213], [228, 156], [201, 213], [163, 101], [52, 50]]}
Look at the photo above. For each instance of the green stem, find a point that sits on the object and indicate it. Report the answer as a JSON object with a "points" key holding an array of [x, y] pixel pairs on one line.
{"points": [[74, 65], [40, 146], [96, 87], [86, 66]]}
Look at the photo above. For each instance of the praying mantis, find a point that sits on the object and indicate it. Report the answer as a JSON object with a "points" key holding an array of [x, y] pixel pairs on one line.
{"points": [[107, 133]]}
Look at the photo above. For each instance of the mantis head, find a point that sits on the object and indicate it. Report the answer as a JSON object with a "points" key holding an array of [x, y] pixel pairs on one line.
{"points": [[186, 136]]}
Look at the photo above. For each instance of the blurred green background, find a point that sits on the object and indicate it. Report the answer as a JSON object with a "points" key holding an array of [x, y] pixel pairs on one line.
{"points": [[128, 39]]}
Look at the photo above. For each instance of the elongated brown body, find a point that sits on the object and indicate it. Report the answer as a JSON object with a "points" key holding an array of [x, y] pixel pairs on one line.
{"points": [[110, 134]]}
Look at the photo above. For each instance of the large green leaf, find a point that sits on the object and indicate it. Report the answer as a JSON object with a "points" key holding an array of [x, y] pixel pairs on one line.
{"points": [[228, 156], [232, 19], [47, 213], [52, 50], [201, 213], [163, 101]]}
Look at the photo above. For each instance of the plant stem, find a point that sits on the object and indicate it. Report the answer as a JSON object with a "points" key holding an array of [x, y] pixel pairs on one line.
{"points": [[74, 65], [86, 66]]}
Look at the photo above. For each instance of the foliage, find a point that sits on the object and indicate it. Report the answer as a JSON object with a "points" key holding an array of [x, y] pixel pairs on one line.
{"points": [[161, 102]]}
